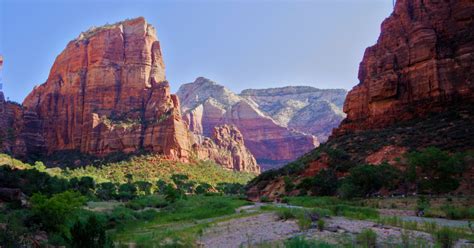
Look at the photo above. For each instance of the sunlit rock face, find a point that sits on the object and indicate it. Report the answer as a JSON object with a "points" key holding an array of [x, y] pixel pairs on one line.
{"points": [[278, 125], [305, 109], [423, 62], [107, 92]]}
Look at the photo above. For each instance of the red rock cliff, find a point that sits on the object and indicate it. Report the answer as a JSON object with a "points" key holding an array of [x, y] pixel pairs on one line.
{"points": [[107, 92], [423, 62], [227, 147]]}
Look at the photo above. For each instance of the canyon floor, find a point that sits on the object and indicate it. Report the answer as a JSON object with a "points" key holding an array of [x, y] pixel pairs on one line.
{"points": [[268, 230]]}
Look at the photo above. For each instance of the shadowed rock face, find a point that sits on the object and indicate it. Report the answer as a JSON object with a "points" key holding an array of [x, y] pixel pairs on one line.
{"points": [[416, 90], [205, 105], [423, 62], [227, 147], [106, 92]]}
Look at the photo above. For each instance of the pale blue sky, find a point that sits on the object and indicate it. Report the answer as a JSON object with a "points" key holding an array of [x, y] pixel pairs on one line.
{"points": [[240, 44]]}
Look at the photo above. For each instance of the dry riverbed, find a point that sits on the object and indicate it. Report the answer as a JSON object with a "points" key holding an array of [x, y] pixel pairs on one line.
{"points": [[269, 229]]}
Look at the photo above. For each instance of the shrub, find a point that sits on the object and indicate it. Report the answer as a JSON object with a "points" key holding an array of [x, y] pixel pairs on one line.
{"points": [[265, 199], [286, 213], [435, 170], [55, 212], [325, 183], [367, 238], [446, 237], [150, 201], [321, 224], [127, 191], [106, 191], [304, 221], [301, 242], [89, 234], [364, 180], [422, 204]]}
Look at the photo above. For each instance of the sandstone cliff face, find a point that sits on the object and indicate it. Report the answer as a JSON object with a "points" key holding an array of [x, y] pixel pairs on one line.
{"points": [[107, 92], [416, 90], [305, 109], [423, 62], [227, 147], [206, 105]]}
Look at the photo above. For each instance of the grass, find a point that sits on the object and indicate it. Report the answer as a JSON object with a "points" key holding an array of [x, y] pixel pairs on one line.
{"points": [[181, 221], [148, 168], [334, 206]]}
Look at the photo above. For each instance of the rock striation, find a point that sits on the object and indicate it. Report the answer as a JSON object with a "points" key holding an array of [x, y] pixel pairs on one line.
{"points": [[416, 89], [206, 104], [423, 62], [107, 93], [302, 108], [227, 147]]}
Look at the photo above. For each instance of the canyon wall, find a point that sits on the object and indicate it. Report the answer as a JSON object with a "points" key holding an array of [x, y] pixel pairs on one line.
{"points": [[206, 104], [415, 90]]}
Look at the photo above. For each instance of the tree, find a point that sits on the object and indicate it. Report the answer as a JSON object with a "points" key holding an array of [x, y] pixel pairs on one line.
{"points": [[364, 180], [86, 185], [106, 191], [127, 191], [435, 170], [54, 213], [143, 187], [161, 186], [90, 234], [324, 183], [203, 188]]}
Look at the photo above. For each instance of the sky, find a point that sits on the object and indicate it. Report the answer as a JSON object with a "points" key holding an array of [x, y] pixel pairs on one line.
{"points": [[240, 44]]}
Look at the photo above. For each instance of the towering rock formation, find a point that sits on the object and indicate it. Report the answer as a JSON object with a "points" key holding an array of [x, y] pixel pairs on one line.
{"points": [[302, 108], [423, 62], [206, 105], [416, 90], [107, 92]]}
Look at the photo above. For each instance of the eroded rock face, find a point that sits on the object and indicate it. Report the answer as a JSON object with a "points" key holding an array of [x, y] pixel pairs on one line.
{"points": [[306, 109], [107, 92], [423, 62], [416, 90], [206, 105], [227, 147]]}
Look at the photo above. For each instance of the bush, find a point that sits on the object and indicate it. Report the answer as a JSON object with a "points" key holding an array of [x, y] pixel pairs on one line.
{"points": [[365, 180], [446, 237], [286, 213], [304, 221], [55, 212], [301, 242], [89, 234], [355, 212], [435, 170], [321, 224], [151, 201], [367, 238], [458, 213]]}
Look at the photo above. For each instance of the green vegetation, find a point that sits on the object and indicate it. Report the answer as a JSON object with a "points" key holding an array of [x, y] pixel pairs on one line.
{"points": [[300, 242], [434, 170], [367, 238], [151, 191], [446, 237], [182, 219], [333, 206]]}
